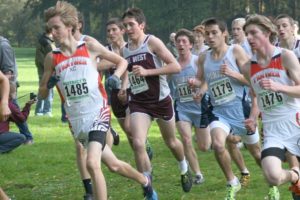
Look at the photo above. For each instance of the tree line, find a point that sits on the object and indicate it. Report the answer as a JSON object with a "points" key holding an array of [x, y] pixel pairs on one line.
{"points": [[22, 20]]}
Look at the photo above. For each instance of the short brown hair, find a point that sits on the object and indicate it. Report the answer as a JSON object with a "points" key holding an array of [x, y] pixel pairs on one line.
{"points": [[117, 21], [220, 23], [135, 13], [214, 21], [187, 33], [291, 20]]}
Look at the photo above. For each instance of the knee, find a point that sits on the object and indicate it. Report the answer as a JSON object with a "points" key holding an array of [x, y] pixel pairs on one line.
{"points": [[273, 178], [171, 142], [255, 152], [204, 147], [218, 147], [257, 156], [22, 138], [92, 166], [187, 141], [114, 167], [18, 140], [138, 144]]}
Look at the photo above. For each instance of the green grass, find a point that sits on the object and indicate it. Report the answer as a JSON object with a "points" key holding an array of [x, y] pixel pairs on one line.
{"points": [[47, 170]]}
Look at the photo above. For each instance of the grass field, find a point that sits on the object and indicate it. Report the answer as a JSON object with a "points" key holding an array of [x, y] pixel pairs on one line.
{"points": [[47, 169]]}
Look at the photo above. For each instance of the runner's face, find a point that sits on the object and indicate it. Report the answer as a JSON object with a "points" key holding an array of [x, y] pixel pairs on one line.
{"points": [[255, 36], [58, 29], [183, 45], [214, 36], [285, 28], [237, 32], [199, 39], [133, 28], [114, 33]]}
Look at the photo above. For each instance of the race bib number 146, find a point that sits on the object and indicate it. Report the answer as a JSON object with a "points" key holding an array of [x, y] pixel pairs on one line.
{"points": [[138, 84]]}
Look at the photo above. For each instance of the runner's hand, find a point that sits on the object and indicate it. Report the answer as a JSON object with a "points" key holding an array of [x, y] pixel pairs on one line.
{"points": [[4, 111], [122, 95], [250, 125]]}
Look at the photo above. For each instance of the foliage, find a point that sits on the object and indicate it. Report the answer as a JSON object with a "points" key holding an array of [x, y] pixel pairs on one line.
{"points": [[47, 170], [22, 20]]}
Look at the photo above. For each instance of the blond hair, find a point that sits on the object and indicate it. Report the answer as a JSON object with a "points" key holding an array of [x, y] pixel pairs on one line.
{"points": [[240, 20], [67, 12], [264, 24]]}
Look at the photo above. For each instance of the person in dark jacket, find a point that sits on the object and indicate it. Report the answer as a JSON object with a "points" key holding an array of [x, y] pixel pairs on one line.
{"points": [[44, 46], [11, 140], [9, 68]]}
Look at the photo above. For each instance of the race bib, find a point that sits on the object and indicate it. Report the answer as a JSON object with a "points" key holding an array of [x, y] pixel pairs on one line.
{"points": [[76, 89], [138, 84], [269, 99], [185, 92], [222, 91]]}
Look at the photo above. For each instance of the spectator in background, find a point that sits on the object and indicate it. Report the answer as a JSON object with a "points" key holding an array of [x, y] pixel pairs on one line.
{"points": [[4, 113], [44, 46], [4, 92], [199, 45], [171, 45], [10, 140], [8, 67]]}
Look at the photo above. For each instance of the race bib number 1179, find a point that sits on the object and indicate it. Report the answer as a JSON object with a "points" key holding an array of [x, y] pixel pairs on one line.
{"points": [[222, 91]]}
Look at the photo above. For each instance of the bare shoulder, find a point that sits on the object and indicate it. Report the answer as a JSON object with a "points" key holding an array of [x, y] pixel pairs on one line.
{"points": [[201, 58], [90, 39], [94, 46], [286, 53], [92, 42], [155, 43], [289, 59], [49, 62], [238, 49], [49, 58], [154, 39]]}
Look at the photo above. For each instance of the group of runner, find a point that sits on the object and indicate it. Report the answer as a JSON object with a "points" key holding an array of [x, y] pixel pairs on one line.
{"points": [[220, 90]]}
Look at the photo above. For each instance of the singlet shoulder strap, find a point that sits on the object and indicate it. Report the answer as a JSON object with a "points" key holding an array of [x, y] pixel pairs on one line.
{"points": [[297, 44], [146, 39]]}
